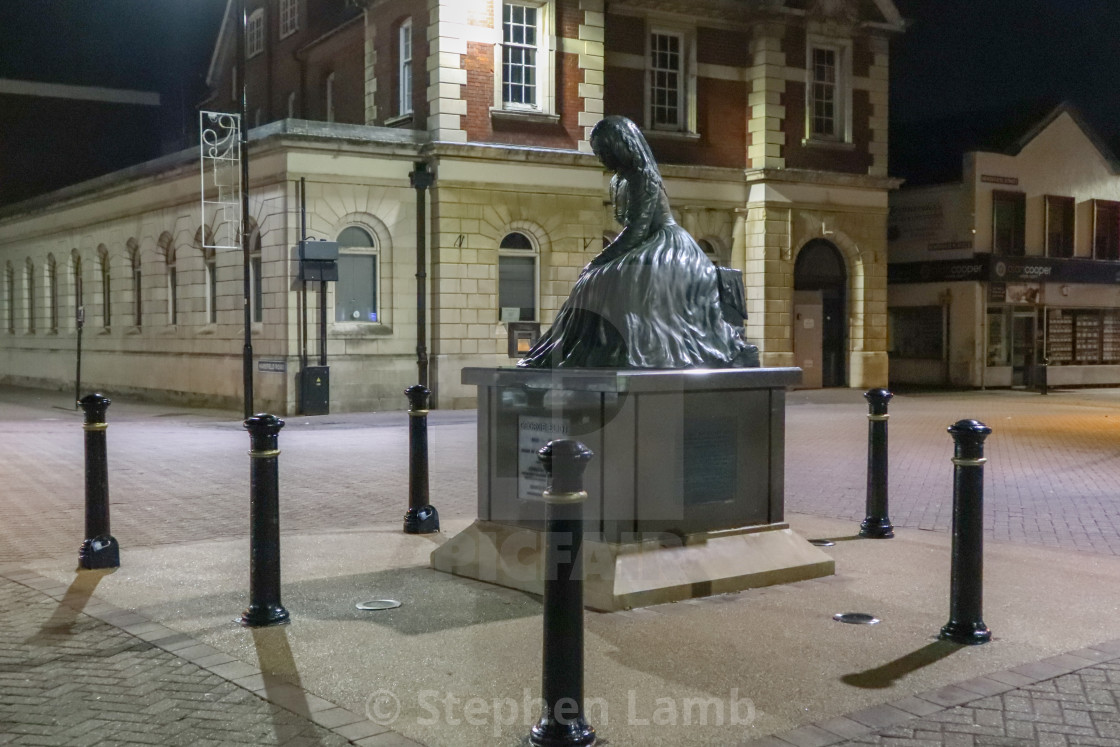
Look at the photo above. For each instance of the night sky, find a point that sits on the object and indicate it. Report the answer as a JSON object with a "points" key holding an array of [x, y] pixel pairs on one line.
{"points": [[958, 59]]}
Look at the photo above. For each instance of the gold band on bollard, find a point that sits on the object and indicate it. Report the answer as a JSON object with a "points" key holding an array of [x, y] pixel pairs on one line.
{"points": [[265, 454], [970, 462], [551, 497], [877, 417], [94, 426], [417, 413]]}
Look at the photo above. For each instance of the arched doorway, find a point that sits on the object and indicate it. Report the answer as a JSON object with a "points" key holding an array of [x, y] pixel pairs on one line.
{"points": [[820, 306]]}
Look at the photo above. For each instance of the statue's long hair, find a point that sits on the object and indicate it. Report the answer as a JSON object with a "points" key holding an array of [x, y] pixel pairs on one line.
{"points": [[625, 143]]}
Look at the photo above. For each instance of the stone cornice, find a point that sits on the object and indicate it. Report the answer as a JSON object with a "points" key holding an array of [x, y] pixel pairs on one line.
{"points": [[822, 178]]}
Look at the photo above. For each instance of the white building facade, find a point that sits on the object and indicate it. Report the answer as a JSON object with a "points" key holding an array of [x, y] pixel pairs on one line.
{"points": [[1016, 265]]}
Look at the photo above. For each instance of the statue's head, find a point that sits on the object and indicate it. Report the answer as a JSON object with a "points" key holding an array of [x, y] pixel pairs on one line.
{"points": [[620, 145]]}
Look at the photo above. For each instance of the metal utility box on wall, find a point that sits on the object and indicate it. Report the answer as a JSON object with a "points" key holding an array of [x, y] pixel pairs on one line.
{"points": [[315, 390], [318, 260], [522, 336]]}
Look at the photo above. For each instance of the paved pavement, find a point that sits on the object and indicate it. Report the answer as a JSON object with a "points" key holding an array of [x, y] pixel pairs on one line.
{"points": [[77, 669]]}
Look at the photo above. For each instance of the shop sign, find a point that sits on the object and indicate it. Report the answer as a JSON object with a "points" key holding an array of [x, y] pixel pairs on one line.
{"points": [[994, 179], [997, 292], [1000, 269], [937, 271], [945, 246]]}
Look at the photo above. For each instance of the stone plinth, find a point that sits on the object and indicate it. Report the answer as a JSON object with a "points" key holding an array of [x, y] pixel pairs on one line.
{"points": [[685, 493]]}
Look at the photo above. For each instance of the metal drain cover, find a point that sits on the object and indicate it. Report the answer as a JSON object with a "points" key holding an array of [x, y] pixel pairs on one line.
{"points": [[855, 618], [379, 604], [822, 543]]}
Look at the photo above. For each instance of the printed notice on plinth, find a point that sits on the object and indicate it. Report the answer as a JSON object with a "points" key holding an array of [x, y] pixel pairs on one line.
{"points": [[533, 434]]}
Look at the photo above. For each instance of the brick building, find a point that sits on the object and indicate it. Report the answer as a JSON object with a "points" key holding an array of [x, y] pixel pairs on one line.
{"points": [[768, 118]]}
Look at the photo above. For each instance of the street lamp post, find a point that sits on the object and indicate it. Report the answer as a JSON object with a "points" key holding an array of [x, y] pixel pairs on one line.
{"points": [[247, 349]]}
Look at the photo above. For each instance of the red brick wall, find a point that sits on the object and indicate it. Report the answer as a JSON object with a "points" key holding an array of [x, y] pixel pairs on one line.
{"points": [[625, 34], [861, 57], [568, 19], [624, 92], [794, 46], [721, 117], [854, 160], [344, 55], [275, 73], [479, 91], [480, 126], [387, 20], [721, 47]]}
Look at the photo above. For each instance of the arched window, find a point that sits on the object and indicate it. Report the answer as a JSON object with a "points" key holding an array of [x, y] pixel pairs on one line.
{"points": [[256, 286], [106, 286], [137, 285], [52, 294], [709, 250], [356, 292], [29, 295], [77, 287], [517, 278], [167, 247], [10, 297]]}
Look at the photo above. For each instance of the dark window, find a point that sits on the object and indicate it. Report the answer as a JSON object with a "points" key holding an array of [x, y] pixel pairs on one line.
{"points": [[916, 332], [106, 292], [1059, 226], [517, 279], [52, 294], [1008, 221], [1106, 230]]}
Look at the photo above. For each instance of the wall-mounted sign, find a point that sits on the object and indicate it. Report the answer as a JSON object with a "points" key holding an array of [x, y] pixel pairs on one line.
{"points": [[1000, 269], [533, 434], [993, 179], [944, 246], [997, 292], [272, 366]]}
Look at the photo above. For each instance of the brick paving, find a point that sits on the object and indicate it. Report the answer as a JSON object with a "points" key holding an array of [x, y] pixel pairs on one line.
{"points": [[77, 674], [1079, 706], [1052, 478], [69, 679]]}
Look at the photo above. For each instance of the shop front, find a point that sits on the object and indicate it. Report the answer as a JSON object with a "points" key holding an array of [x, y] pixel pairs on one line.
{"points": [[992, 321]]}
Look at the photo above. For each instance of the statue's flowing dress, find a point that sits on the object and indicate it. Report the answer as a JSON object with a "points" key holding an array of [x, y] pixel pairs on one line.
{"points": [[650, 300]]}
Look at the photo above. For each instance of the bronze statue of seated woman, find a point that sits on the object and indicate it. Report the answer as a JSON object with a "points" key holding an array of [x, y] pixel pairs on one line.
{"points": [[652, 298]]}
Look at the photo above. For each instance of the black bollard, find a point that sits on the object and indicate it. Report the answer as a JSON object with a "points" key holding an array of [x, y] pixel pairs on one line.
{"points": [[100, 549], [264, 524], [422, 517], [966, 593], [563, 722], [877, 525]]}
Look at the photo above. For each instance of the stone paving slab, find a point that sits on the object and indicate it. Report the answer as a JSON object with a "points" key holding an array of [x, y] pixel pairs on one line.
{"points": [[70, 676]]}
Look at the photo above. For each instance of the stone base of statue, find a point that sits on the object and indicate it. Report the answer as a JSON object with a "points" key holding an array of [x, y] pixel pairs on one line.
{"points": [[685, 491]]}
